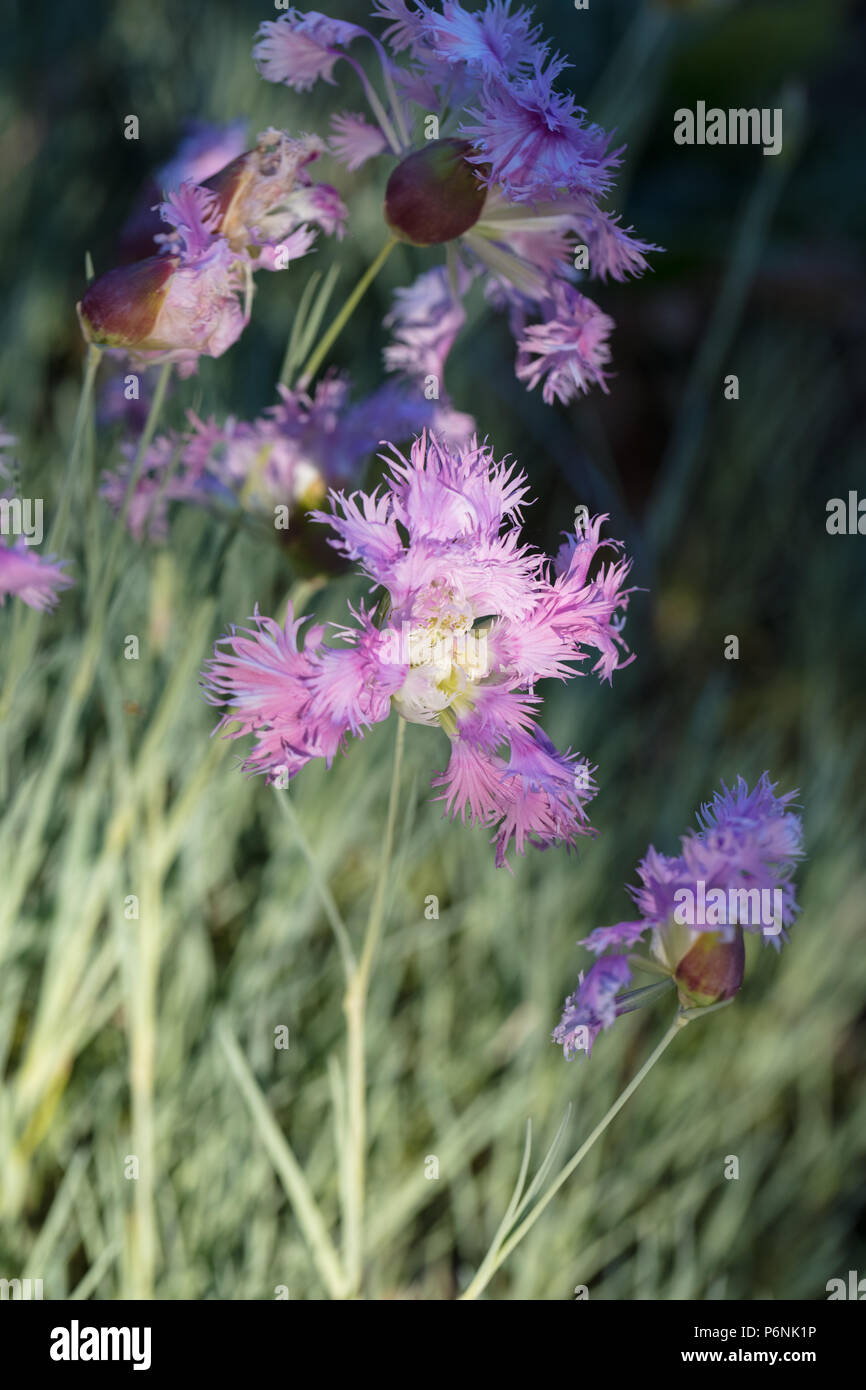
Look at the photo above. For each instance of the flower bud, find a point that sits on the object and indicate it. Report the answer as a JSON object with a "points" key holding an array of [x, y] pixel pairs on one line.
{"points": [[165, 307], [121, 308], [711, 970], [434, 195]]}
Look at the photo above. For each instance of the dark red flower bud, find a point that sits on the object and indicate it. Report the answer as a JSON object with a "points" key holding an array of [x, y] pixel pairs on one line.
{"points": [[711, 970], [434, 195], [121, 308]]}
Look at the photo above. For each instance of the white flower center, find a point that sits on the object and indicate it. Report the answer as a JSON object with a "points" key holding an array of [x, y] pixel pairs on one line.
{"points": [[446, 656]]}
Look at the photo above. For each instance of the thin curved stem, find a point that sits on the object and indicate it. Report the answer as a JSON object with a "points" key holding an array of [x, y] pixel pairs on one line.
{"points": [[291, 1174], [57, 534], [385, 124], [336, 326], [495, 1257], [332, 912], [396, 107], [26, 625], [355, 1007]]}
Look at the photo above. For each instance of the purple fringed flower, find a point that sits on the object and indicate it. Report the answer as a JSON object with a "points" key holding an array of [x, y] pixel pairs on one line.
{"points": [[567, 351], [532, 142], [592, 1007], [489, 42], [734, 875], [406, 25], [516, 189], [35, 579], [426, 319], [298, 49], [474, 618]]}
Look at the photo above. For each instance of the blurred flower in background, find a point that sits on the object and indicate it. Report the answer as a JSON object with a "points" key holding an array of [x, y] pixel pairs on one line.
{"points": [[286, 458], [124, 399]]}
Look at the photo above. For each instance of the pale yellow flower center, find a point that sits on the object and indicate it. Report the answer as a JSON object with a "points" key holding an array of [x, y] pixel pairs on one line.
{"points": [[446, 657]]}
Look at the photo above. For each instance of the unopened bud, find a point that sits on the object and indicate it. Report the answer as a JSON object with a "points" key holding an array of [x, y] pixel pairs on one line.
{"points": [[434, 195], [711, 970], [163, 306], [121, 308]]}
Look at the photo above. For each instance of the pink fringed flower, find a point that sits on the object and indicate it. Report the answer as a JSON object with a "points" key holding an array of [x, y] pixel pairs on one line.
{"points": [[203, 150], [474, 618], [354, 140], [299, 49], [176, 306]]}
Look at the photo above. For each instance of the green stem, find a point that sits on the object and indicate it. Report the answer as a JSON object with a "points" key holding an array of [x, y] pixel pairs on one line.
{"points": [[289, 1170], [42, 798], [498, 1254], [397, 110], [355, 1008], [57, 535], [335, 328], [639, 998], [647, 965], [142, 1016], [26, 624], [117, 535], [332, 912], [385, 123]]}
